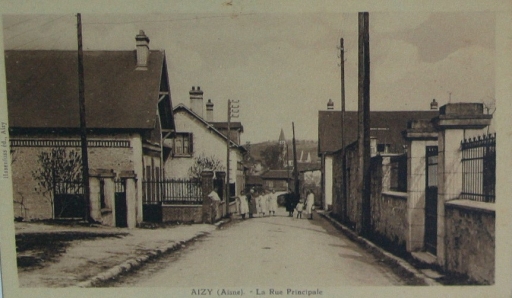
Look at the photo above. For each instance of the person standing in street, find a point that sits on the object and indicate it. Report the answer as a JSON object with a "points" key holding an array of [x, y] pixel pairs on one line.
{"points": [[310, 201], [290, 202], [299, 207], [244, 205], [272, 203], [251, 199], [264, 202]]}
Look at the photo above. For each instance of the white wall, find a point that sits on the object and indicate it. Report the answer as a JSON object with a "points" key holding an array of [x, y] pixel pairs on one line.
{"points": [[328, 184]]}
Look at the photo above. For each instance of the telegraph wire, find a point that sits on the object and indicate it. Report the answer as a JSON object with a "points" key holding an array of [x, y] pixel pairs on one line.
{"points": [[33, 29], [24, 21], [169, 20]]}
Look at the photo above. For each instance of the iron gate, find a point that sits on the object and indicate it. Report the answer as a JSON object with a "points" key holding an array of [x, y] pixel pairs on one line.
{"points": [[120, 204], [431, 201]]}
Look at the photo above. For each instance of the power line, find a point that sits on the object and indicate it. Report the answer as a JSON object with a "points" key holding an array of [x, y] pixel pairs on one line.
{"points": [[44, 36], [31, 30], [167, 20], [22, 22]]}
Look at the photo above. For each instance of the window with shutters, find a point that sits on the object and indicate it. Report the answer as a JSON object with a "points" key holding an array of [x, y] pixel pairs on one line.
{"points": [[183, 145]]}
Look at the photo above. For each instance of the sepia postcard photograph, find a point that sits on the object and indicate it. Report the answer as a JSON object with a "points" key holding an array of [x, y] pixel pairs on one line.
{"points": [[255, 148]]}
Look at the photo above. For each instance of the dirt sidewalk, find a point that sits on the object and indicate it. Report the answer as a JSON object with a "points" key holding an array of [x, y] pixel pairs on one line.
{"points": [[64, 256]]}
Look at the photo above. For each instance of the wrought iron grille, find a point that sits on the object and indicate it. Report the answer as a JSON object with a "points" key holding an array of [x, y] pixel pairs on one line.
{"points": [[172, 191], [479, 168]]}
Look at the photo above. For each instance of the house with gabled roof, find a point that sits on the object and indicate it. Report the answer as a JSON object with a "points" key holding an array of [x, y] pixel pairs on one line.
{"points": [[128, 116], [385, 138], [199, 136]]}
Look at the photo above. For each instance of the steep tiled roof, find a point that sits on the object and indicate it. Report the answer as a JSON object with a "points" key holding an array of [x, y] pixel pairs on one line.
{"points": [[182, 107], [386, 126], [42, 89]]}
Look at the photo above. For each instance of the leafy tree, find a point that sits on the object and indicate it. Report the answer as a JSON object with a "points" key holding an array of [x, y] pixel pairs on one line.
{"points": [[204, 163], [55, 167], [270, 156]]}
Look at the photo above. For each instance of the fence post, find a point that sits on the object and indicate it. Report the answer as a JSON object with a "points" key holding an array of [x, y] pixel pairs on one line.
{"points": [[109, 196], [94, 195], [207, 187], [130, 179], [419, 135], [455, 122]]}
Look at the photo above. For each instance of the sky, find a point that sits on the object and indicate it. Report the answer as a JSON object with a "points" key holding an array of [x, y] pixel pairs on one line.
{"points": [[284, 67]]}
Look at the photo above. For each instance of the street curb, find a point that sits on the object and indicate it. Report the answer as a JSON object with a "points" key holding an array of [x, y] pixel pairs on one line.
{"points": [[404, 266], [136, 262]]}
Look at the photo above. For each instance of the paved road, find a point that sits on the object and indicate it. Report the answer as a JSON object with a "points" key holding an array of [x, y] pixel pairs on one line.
{"points": [[271, 252]]}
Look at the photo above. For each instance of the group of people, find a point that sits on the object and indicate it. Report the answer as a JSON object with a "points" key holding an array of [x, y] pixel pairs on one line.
{"points": [[258, 204], [265, 203], [294, 203]]}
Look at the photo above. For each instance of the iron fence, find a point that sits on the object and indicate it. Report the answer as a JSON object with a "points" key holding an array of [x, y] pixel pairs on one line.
{"points": [[68, 199], [172, 191], [479, 168]]}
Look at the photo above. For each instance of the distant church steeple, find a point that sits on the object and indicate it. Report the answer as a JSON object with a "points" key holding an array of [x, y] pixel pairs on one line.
{"points": [[283, 147]]}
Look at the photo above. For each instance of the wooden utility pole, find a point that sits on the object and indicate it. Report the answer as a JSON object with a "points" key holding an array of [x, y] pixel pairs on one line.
{"points": [[295, 169], [228, 146], [83, 126], [343, 153], [232, 112], [364, 122]]}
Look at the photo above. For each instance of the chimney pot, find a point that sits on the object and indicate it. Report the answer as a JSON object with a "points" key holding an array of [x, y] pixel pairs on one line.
{"points": [[330, 104], [433, 104], [142, 45], [196, 101], [209, 111]]}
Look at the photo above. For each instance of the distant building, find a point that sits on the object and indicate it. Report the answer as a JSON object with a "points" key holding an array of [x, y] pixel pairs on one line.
{"points": [[385, 134], [197, 136]]}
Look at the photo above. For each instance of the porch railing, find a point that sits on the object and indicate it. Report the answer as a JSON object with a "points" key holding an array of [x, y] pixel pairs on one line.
{"points": [[479, 168]]}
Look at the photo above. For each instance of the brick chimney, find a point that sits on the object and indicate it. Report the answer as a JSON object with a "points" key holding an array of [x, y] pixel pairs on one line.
{"points": [[142, 42], [196, 100], [433, 104], [209, 111], [330, 104]]}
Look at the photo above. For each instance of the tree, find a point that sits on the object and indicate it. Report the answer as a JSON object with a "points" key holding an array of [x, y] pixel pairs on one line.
{"points": [[270, 156], [57, 167], [204, 163]]}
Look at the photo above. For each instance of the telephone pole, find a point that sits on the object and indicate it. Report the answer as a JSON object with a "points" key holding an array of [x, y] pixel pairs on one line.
{"points": [[83, 126], [363, 176], [232, 113], [343, 158], [295, 169]]}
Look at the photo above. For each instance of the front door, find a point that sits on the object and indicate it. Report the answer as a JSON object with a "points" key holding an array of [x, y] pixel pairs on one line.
{"points": [[431, 201]]}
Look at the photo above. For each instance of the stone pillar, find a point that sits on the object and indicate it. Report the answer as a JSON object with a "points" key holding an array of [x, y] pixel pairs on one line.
{"points": [[130, 180], [419, 135], [109, 216], [94, 195], [221, 177], [328, 181], [206, 187], [456, 122]]}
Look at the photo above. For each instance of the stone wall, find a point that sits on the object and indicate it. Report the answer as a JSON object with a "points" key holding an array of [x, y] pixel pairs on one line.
{"points": [[470, 239], [388, 208], [182, 213], [30, 204]]}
